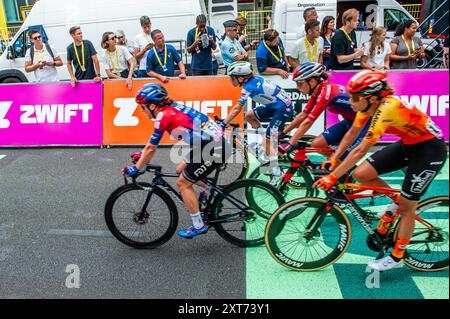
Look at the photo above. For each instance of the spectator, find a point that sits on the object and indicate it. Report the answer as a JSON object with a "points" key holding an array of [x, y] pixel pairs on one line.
{"points": [[122, 40], [344, 48], [309, 14], [41, 59], [309, 48], [142, 45], [84, 57], [377, 51], [406, 49], [327, 33], [242, 24], [201, 43], [119, 61], [231, 49], [445, 53], [270, 56], [161, 59]]}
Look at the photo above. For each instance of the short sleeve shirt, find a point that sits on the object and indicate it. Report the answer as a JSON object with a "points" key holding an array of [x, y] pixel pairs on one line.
{"points": [[156, 58], [230, 48], [274, 59], [48, 73], [380, 54], [140, 42], [341, 45], [117, 61], [89, 52], [300, 51], [402, 50], [201, 57]]}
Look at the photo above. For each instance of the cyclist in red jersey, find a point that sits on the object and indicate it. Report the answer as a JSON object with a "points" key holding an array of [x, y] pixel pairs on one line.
{"points": [[421, 150]]}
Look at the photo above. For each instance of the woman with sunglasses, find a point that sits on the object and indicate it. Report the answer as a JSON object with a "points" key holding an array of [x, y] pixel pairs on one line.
{"points": [[421, 150]]}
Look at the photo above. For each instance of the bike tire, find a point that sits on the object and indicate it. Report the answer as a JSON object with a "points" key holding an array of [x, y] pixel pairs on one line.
{"points": [[435, 212], [300, 185], [131, 194], [236, 167], [248, 232], [288, 226]]}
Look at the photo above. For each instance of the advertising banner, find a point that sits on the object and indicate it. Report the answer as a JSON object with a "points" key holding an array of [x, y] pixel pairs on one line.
{"points": [[51, 114], [427, 90], [125, 123]]}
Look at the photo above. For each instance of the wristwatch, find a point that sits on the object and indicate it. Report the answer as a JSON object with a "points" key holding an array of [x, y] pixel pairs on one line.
{"points": [[98, 75]]}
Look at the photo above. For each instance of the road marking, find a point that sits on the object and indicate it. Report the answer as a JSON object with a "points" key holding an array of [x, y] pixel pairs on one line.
{"points": [[78, 232], [2, 156]]}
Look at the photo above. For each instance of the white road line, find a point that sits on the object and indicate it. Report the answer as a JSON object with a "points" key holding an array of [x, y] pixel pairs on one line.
{"points": [[88, 233]]}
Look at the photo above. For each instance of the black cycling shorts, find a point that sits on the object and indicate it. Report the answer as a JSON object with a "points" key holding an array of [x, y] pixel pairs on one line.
{"points": [[204, 159], [423, 160]]}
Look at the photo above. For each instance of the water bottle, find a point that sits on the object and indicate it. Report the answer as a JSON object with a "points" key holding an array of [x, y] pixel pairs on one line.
{"points": [[385, 224], [202, 200]]}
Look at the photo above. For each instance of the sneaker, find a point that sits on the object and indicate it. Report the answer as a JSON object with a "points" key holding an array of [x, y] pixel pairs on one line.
{"points": [[385, 263], [191, 231]]}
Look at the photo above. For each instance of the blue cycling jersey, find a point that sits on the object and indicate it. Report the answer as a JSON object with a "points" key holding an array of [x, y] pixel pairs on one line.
{"points": [[265, 92]]}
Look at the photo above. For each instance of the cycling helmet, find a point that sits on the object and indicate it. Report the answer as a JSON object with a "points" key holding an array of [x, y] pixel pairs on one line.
{"points": [[308, 70], [240, 68], [369, 82], [151, 93]]}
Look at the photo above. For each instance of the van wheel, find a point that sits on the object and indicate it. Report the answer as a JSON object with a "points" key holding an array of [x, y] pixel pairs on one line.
{"points": [[11, 80]]}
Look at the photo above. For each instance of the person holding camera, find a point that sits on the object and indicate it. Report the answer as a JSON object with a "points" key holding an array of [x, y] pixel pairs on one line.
{"points": [[201, 43], [41, 59]]}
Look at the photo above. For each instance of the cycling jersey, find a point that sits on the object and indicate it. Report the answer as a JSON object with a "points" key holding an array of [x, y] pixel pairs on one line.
{"points": [[333, 96], [184, 123], [265, 92], [398, 118]]}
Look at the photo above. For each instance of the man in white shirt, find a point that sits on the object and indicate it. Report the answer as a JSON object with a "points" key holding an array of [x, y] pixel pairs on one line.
{"points": [[309, 14], [308, 48], [142, 45], [42, 59]]}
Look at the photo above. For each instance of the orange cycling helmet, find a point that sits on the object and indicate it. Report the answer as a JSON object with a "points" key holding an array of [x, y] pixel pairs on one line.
{"points": [[369, 82]]}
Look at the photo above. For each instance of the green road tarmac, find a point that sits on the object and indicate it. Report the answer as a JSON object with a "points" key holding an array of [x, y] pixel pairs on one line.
{"points": [[349, 278]]}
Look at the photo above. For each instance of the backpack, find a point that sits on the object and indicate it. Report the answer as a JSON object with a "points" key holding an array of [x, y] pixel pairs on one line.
{"points": [[48, 48]]}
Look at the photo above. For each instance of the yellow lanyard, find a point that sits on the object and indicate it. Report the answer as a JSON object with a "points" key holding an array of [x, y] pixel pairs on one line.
{"points": [[43, 54], [271, 52], [328, 39], [165, 56], [146, 37], [311, 56], [407, 46], [82, 65], [114, 67], [196, 33], [348, 37]]}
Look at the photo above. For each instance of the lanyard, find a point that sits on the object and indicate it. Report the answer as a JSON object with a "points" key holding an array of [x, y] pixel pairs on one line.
{"points": [[196, 32], [146, 37], [82, 65], [271, 52], [114, 67], [43, 54], [311, 55], [348, 37], [407, 46], [165, 56]]}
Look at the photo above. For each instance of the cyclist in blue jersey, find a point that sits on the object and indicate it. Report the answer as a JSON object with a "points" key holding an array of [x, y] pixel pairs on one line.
{"points": [[196, 129], [276, 106]]}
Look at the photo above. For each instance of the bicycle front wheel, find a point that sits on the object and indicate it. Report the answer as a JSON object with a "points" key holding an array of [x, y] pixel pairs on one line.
{"points": [[428, 249], [242, 223], [141, 218], [307, 234]]}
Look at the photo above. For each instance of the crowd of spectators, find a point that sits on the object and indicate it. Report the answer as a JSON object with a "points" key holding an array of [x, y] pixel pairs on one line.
{"points": [[149, 55]]}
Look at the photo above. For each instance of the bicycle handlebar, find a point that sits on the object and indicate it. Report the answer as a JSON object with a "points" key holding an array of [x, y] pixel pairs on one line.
{"points": [[233, 125]]}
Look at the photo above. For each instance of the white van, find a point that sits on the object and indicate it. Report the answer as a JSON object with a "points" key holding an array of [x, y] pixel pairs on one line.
{"points": [[288, 16], [54, 18]]}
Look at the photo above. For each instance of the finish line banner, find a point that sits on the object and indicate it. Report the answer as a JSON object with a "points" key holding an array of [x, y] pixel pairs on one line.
{"points": [[51, 114], [427, 90], [125, 123]]}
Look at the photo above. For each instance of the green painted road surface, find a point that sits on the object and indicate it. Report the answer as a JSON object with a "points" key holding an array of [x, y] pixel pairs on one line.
{"points": [[349, 278]]}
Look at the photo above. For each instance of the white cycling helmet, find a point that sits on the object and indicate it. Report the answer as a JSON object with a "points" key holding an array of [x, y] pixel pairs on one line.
{"points": [[308, 70], [240, 68]]}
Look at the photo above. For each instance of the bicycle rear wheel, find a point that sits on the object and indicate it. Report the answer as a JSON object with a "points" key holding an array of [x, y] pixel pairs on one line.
{"points": [[245, 208], [429, 247], [307, 235], [124, 218]]}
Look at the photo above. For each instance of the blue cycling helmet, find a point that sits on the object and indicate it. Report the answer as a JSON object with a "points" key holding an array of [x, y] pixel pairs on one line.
{"points": [[151, 93], [308, 70]]}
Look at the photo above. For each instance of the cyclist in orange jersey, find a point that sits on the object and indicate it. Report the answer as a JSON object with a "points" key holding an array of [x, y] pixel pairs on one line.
{"points": [[421, 150]]}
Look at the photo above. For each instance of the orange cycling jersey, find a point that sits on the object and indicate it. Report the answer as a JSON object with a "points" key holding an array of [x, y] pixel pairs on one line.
{"points": [[398, 118]]}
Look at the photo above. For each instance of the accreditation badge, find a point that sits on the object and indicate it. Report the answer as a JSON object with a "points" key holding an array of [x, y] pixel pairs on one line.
{"points": [[83, 68]]}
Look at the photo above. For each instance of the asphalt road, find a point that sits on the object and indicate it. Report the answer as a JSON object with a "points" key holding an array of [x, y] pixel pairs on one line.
{"points": [[51, 217]]}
